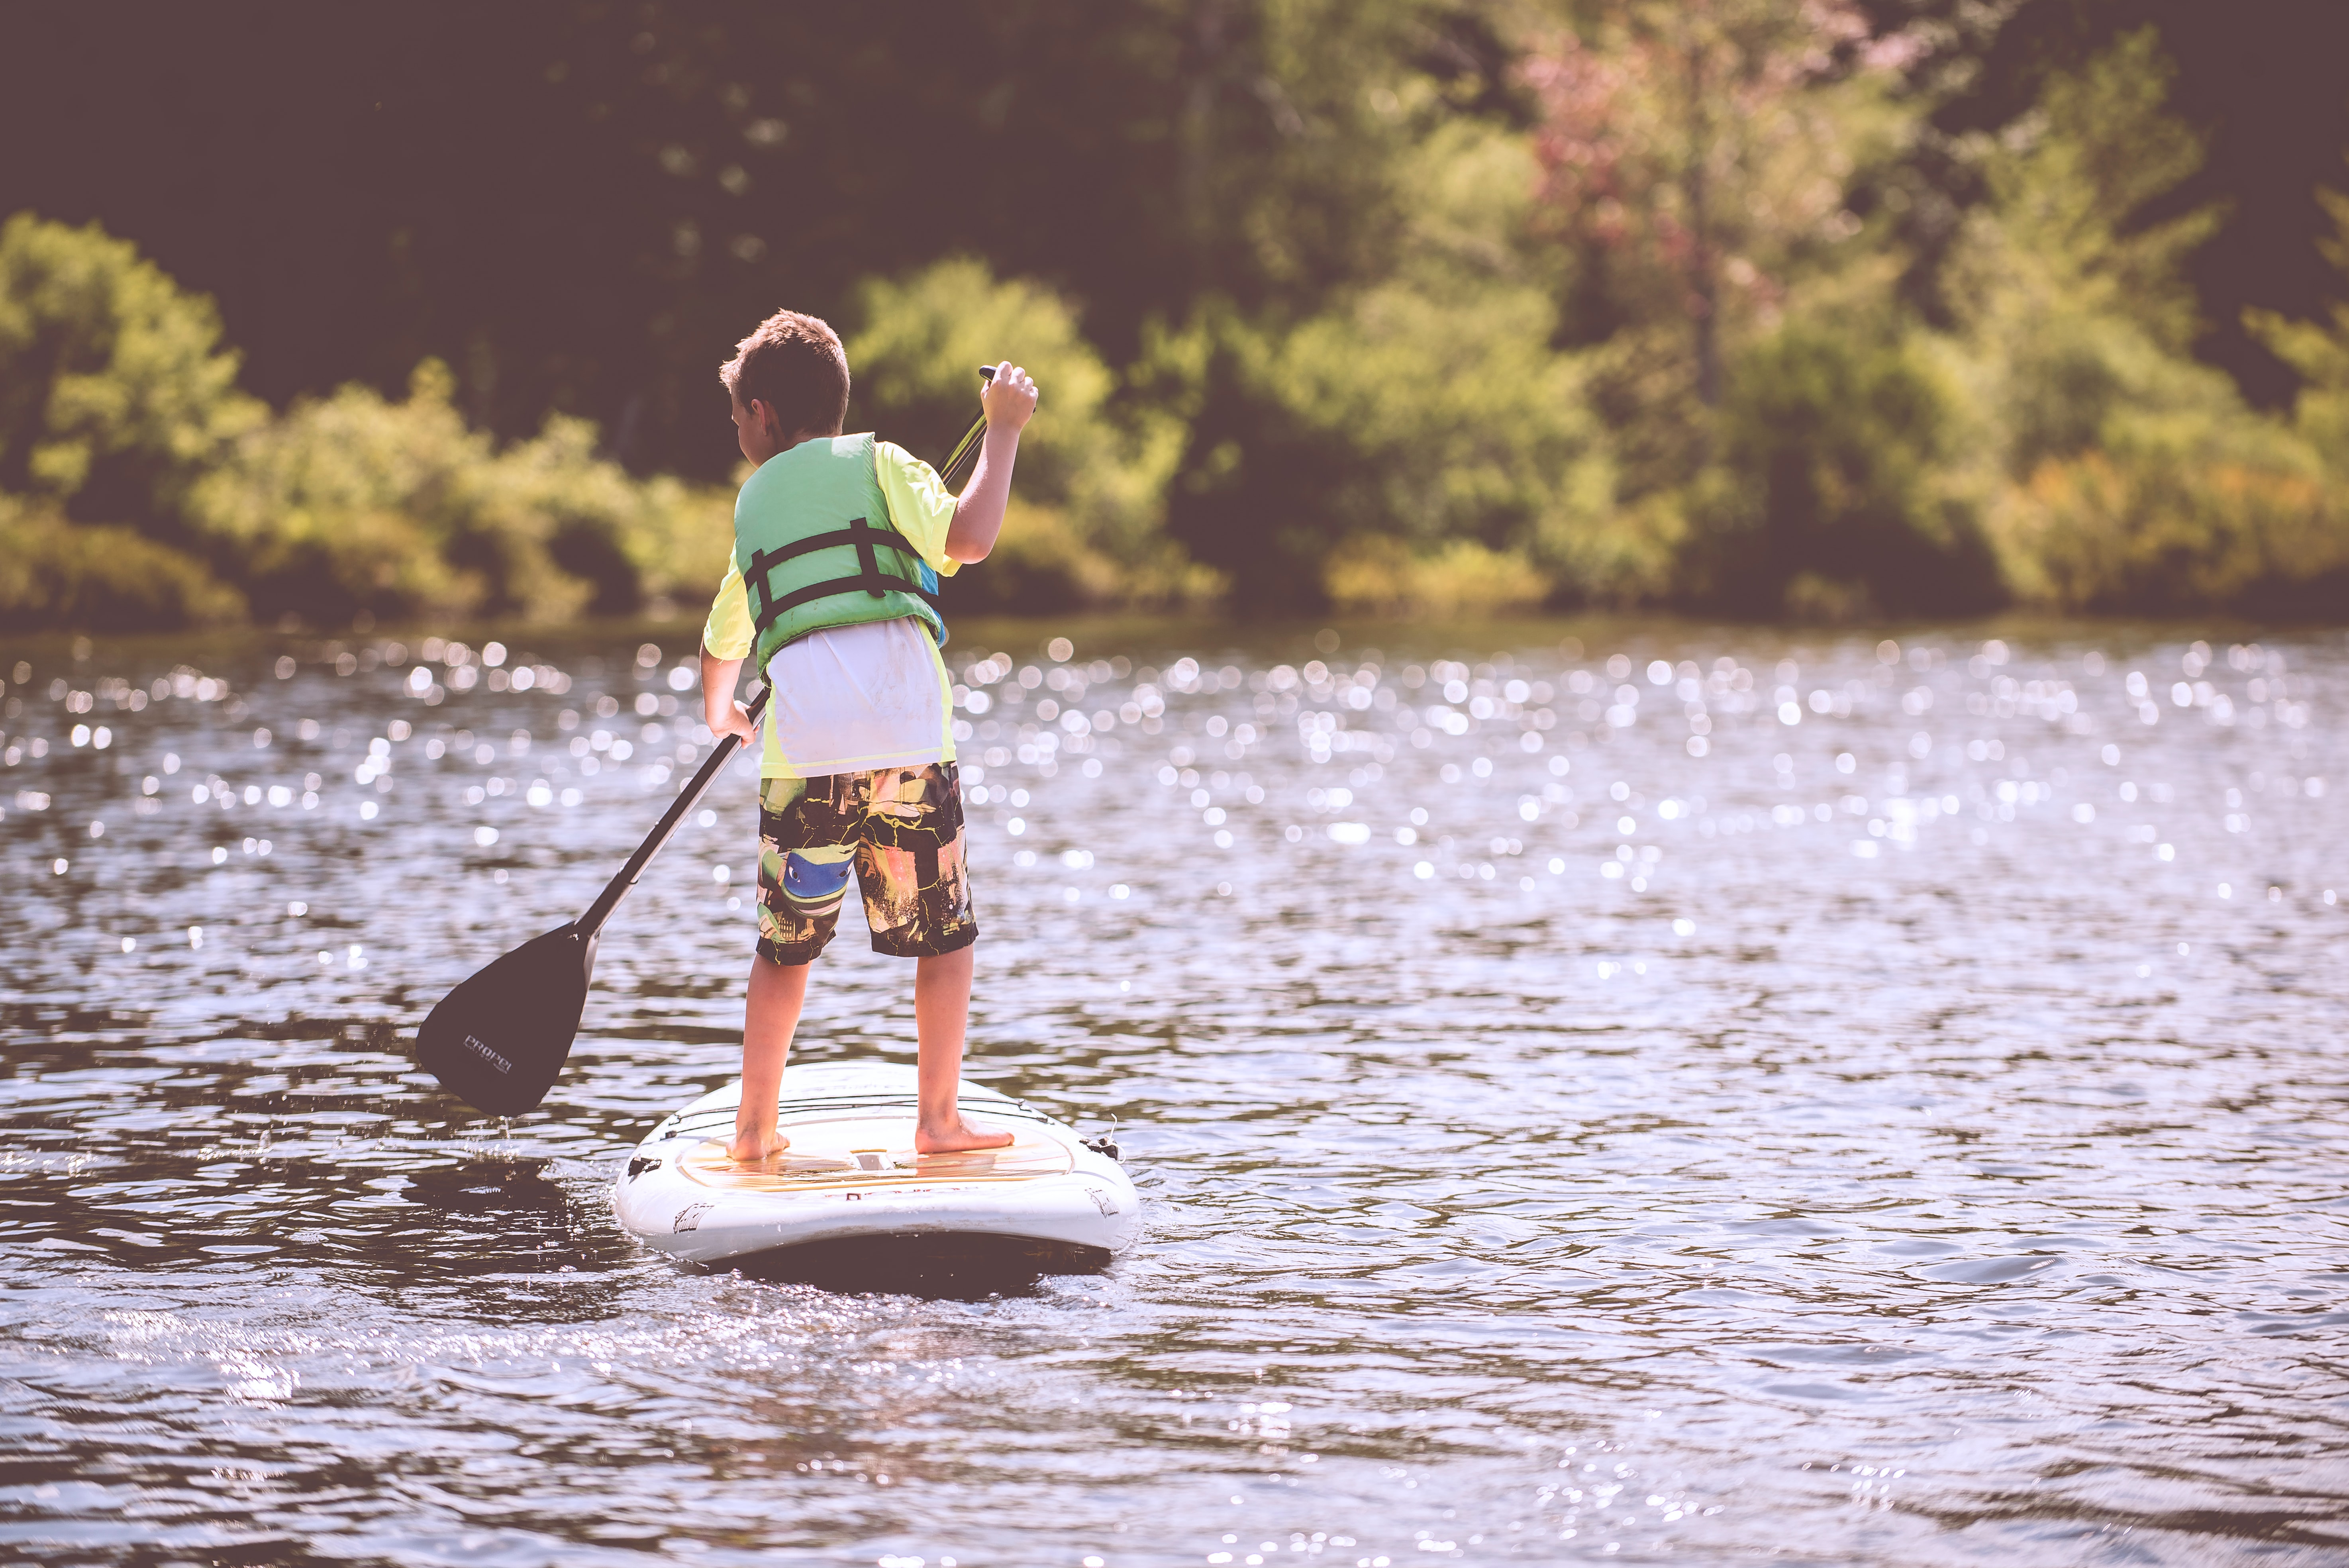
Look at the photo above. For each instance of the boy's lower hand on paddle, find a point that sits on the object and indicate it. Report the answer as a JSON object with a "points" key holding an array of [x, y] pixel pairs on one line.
{"points": [[724, 716]]}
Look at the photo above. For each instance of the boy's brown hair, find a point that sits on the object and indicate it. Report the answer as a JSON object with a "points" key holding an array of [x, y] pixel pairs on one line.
{"points": [[794, 364]]}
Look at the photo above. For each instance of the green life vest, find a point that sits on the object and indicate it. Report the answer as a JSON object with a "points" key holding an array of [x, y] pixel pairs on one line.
{"points": [[817, 551]]}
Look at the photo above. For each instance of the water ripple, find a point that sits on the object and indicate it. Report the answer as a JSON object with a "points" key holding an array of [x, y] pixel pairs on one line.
{"points": [[1654, 1092]]}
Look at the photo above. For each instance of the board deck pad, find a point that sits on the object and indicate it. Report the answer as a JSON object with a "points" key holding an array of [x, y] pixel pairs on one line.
{"points": [[851, 1182], [861, 1151]]}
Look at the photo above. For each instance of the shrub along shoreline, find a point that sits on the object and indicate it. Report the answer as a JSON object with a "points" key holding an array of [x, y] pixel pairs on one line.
{"points": [[1517, 410]]}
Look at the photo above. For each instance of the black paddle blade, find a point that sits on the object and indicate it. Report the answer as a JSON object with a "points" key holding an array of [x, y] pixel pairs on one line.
{"points": [[497, 1041]]}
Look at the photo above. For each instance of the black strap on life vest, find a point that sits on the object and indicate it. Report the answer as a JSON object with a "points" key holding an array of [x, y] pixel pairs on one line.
{"points": [[869, 576]]}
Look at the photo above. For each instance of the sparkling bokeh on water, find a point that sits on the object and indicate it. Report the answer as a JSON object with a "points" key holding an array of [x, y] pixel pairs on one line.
{"points": [[1606, 1091]]}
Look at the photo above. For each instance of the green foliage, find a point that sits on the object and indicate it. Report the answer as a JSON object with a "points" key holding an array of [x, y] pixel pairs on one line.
{"points": [[1428, 408], [2176, 498], [113, 396], [1093, 467], [2320, 351], [353, 503], [343, 505], [1377, 574], [2070, 185], [634, 543], [2173, 532], [1699, 161], [1456, 418], [1835, 442], [1408, 306], [59, 574], [2071, 319], [2117, 473]]}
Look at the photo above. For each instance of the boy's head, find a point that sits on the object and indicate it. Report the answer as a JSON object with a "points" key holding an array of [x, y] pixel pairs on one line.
{"points": [[789, 379]]}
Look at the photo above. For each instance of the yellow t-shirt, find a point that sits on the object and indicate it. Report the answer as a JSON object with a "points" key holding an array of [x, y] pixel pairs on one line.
{"points": [[855, 697]]}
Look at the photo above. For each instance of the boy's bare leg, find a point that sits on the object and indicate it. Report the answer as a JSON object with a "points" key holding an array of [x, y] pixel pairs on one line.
{"points": [[769, 1018], [941, 1014]]}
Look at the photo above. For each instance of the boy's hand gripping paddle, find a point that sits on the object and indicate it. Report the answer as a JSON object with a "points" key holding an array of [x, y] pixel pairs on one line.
{"points": [[499, 1041]]}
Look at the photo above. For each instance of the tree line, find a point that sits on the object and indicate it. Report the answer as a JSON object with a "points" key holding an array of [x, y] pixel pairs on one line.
{"points": [[1766, 307]]}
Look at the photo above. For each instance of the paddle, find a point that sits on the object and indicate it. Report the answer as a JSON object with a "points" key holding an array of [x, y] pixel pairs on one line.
{"points": [[966, 452], [499, 1040]]}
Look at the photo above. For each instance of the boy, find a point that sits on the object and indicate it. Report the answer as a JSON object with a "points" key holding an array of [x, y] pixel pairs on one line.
{"points": [[839, 542]]}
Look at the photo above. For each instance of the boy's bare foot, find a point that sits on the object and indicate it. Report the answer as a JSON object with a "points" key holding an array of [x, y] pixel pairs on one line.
{"points": [[958, 1136], [745, 1150]]}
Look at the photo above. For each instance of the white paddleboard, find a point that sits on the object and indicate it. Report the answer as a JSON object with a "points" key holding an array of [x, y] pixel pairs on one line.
{"points": [[851, 1171]]}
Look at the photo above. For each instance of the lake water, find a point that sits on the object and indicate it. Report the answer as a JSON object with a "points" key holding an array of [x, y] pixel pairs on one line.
{"points": [[1627, 1092]]}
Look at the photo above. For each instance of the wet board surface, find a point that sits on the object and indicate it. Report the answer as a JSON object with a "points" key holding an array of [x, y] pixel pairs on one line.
{"points": [[872, 1153], [852, 1169]]}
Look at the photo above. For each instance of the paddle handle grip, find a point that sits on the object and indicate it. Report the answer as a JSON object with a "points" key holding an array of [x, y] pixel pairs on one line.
{"points": [[618, 888]]}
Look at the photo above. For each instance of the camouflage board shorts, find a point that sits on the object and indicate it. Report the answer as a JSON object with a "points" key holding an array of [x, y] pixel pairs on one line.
{"points": [[899, 829]]}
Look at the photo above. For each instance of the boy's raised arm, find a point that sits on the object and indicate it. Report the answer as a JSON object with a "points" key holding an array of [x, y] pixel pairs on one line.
{"points": [[1008, 400]]}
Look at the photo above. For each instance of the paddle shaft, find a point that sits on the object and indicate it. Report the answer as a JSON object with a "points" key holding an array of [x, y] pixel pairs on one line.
{"points": [[965, 450], [618, 888]]}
